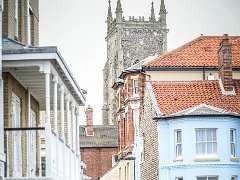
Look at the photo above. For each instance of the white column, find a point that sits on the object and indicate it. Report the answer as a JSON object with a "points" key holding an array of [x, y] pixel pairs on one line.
{"points": [[68, 119], [78, 122], [28, 135], [47, 97], [48, 131], [55, 111], [72, 125], [62, 112]]}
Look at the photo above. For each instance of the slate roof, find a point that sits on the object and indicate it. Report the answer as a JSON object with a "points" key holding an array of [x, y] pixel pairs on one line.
{"points": [[104, 136], [136, 67], [11, 46], [172, 97], [201, 52]]}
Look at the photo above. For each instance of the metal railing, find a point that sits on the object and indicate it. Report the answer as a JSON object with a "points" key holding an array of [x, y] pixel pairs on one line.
{"points": [[23, 151]]}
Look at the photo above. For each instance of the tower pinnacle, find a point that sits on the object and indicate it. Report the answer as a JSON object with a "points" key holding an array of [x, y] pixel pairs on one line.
{"points": [[162, 14], [152, 17], [109, 17], [119, 11]]}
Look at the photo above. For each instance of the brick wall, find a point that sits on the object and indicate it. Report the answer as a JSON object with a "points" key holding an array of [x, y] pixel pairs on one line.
{"points": [[148, 131], [9, 21], [11, 85], [126, 121], [97, 160]]}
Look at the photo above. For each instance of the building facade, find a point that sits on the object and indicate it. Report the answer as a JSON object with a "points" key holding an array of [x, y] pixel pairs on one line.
{"points": [[197, 123], [41, 102], [128, 42], [21, 21], [98, 147]]}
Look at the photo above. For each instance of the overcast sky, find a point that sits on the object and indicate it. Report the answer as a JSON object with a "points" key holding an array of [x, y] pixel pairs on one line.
{"points": [[78, 28]]}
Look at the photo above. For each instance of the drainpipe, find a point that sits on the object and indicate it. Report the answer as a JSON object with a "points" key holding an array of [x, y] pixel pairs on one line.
{"points": [[2, 155], [28, 24]]}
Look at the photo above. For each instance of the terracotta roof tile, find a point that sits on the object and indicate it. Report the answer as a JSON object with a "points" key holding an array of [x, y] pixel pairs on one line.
{"points": [[174, 96], [197, 53]]}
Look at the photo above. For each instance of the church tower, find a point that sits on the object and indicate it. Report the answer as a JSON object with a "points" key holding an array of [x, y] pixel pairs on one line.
{"points": [[128, 42]]}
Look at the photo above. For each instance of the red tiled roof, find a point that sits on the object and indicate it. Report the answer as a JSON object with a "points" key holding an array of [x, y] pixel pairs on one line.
{"points": [[200, 52], [176, 96]]}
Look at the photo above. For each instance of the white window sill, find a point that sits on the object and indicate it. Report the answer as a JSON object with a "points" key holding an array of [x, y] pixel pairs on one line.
{"points": [[206, 158], [235, 159], [178, 159]]}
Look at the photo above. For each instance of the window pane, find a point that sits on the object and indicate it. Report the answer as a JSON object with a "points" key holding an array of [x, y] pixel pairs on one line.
{"points": [[179, 136], [213, 178], [200, 135], [231, 135], [201, 178]]}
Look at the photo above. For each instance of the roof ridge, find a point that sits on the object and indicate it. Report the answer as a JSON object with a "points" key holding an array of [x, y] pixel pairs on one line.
{"points": [[177, 51], [187, 81]]}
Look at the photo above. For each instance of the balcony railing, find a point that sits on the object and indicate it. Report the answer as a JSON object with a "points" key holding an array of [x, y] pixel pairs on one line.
{"points": [[38, 153]]}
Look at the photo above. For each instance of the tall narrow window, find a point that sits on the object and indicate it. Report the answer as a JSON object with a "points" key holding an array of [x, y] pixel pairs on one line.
{"points": [[178, 143], [206, 142], [233, 142], [32, 145], [17, 146], [135, 86], [16, 19], [31, 27]]}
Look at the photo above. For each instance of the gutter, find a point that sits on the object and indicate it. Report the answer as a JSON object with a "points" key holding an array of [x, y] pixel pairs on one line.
{"points": [[182, 68], [169, 117]]}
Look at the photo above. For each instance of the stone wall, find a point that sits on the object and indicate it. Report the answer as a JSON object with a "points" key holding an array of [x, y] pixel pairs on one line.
{"points": [[148, 131]]}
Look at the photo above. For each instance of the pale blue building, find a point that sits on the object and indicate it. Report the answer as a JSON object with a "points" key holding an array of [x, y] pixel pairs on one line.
{"points": [[201, 143]]}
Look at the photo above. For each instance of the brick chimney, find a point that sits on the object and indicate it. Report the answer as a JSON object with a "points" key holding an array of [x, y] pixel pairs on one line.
{"points": [[225, 63], [89, 120]]}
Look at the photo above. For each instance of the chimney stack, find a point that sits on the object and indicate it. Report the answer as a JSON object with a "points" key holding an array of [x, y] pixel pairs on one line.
{"points": [[225, 63], [89, 120]]}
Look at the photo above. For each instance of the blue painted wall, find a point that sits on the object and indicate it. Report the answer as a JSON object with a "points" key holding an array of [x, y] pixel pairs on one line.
{"points": [[188, 168]]}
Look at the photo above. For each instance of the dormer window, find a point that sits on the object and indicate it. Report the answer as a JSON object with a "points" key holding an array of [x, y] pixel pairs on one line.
{"points": [[135, 86]]}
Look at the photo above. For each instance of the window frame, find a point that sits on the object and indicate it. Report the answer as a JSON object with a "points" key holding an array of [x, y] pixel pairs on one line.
{"points": [[16, 136], [178, 155], [135, 87], [16, 18], [206, 143], [233, 142]]}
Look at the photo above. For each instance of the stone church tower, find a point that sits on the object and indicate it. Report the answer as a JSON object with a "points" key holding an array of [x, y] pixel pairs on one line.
{"points": [[128, 42]]}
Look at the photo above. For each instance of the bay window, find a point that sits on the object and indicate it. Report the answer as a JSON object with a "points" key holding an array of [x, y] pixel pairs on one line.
{"points": [[206, 142]]}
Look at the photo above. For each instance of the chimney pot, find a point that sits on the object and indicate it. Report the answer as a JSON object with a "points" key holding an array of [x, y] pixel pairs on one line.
{"points": [[89, 120]]}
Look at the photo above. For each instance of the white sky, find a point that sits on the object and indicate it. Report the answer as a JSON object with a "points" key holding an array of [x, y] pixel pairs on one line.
{"points": [[78, 28]]}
